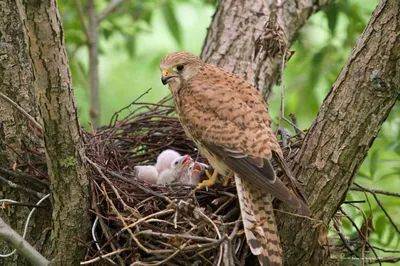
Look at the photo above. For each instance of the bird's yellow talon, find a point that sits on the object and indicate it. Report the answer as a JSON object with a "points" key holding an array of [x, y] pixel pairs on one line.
{"points": [[208, 174], [210, 182], [225, 181]]}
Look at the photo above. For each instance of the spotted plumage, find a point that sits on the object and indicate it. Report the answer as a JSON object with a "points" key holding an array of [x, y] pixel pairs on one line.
{"points": [[229, 122]]}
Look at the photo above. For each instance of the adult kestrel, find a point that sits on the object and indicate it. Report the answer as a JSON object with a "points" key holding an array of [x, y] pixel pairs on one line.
{"points": [[229, 122]]}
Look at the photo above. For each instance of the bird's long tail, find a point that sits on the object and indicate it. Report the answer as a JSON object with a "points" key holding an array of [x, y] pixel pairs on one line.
{"points": [[259, 223]]}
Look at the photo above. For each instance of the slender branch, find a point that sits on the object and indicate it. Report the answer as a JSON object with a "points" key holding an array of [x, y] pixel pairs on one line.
{"points": [[21, 175], [94, 64], [81, 16], [381, 206], [105, 256], [108, 9], [14, 185], [374, 191], [386, 250], [25, 113]]}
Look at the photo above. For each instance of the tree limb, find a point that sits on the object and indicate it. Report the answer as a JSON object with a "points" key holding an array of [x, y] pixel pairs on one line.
{"points": [[108, 9], [94, 65], [29, 252]]}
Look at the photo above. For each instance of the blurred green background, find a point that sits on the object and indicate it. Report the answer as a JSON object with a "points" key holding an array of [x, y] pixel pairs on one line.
{"points": [[134, 37]]}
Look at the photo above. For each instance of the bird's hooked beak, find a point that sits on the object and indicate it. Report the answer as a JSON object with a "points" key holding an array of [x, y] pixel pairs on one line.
{"points": [[166, 75]]}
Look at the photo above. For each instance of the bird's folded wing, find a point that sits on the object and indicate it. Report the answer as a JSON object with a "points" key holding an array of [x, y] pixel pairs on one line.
{"points": [[262, 177]]}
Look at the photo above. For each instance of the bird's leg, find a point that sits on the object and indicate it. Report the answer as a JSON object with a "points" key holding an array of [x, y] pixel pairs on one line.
{"points": [[212, 179], [225, 180]]}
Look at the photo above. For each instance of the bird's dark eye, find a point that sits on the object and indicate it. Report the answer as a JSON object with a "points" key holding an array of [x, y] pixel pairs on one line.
{"points": [[176, 163], [180, 67]]}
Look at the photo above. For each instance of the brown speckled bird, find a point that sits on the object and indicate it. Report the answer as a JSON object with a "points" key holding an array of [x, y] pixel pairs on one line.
{"points": [[229, 122]]}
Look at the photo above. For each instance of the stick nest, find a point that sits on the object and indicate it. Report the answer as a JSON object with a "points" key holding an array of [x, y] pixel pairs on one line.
{"points": [[142, 224]]}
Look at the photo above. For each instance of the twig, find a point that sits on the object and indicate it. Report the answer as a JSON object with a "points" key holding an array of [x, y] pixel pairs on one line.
{"points": [[166, 235], [343, 238], [160, 262], [96, 220], [25, 113], [126, 207], [104, 228], [114, 117], [104, 256], [81, 16], [161, 196], [108, 9], [14, 185], [386, 250], [358, 230], [93, 64], [380, 205], [157, 214], [293, 125], [299, 215], [294, 121], [380, 260], [374, 191]]}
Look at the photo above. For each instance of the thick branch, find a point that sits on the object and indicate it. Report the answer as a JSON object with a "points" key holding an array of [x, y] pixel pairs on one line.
{"points": [[233, 47], [346, 126], [62, 134], [8, 234]]}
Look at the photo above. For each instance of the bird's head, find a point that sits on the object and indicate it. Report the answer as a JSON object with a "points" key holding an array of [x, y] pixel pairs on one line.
{"points": [[178, 68], [181, 162]]}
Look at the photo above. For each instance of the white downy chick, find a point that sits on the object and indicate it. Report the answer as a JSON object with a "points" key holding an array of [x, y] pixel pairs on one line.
{"points": [[147, 173], [194, 171], [165, 159], [178, 169]]}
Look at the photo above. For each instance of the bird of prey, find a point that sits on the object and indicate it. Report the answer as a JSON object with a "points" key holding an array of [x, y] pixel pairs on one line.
{"points": [[178, 170], [229, 122]]}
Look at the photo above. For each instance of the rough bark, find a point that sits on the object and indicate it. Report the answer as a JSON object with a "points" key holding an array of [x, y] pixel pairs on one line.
{"points": [[16, 82], [233, 47], [62, 134], [346, 126]]}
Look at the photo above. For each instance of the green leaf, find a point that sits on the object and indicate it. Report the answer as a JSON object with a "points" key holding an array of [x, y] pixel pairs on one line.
{"points": [[380, 225], [172, 22], [130, 45], [373, 163], [383, 177], [332, 13]]}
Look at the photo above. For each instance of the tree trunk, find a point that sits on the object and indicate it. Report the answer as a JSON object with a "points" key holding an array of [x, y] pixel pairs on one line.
{"points": [[62, 133], [233, 48], [16, 82], [345, 128]]}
